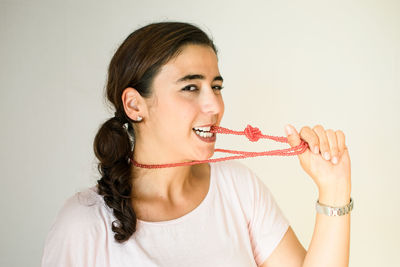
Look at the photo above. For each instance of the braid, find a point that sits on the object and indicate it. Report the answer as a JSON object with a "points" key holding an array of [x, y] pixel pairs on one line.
{"points": [[112, 147]]}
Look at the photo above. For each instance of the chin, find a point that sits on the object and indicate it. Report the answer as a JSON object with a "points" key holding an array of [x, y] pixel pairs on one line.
{"points": [[205, 156]]}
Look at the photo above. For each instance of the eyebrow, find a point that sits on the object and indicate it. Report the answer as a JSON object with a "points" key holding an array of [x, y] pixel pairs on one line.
{"points": [[197, 76]]}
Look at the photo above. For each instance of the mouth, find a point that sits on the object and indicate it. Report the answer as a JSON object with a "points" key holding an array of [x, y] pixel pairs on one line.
{"points": [[205, 133]]}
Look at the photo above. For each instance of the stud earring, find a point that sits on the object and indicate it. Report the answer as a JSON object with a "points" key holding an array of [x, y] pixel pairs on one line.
{"points": [[139, 118]]}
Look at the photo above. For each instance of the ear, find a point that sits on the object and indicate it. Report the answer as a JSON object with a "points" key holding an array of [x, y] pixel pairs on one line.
{"points": [[133, 103]]}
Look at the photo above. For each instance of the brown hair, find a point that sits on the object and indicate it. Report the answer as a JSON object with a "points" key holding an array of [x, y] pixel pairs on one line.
{"points": [[135, 64]]}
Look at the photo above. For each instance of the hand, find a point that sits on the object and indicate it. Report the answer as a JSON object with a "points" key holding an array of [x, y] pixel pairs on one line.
{"points": [[328, 174]]}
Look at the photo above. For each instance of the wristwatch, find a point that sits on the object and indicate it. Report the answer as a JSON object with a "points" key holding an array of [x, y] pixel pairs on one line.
{"points": [[334, 211]]}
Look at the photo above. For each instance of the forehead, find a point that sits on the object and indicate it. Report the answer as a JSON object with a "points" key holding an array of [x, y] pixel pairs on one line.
{"points": [[199, 59]]}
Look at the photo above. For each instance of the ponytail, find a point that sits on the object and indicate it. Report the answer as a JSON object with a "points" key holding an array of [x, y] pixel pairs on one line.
{"points": [[113, 148]]}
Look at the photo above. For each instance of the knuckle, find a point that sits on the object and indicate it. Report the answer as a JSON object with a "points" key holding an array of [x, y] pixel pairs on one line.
{"points": [[324, 146], [316, 142], [340, 134], [331, 138], [330, 131], [306, 127], [305, 130], [341, 141], [318, 127], [308, 135]]}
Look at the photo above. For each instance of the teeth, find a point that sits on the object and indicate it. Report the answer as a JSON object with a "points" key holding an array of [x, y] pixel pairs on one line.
{"points": [[204, 129], [205, 135]]}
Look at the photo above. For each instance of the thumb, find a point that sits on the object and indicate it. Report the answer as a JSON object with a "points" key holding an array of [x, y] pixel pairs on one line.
{"points": [[292, 135]]}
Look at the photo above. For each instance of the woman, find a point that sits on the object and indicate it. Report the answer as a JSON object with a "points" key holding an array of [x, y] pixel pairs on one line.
{"points": [[165, 85]]}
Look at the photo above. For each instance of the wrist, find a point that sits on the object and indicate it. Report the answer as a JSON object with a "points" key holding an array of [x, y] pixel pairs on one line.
{"points": [[335, 197], [334, 211]]}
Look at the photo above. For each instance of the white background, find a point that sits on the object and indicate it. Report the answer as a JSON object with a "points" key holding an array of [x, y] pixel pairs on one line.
{"points": [[334, 63]]}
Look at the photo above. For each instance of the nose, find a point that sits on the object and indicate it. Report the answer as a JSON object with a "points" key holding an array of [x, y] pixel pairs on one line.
{"points": [[211, 101]]}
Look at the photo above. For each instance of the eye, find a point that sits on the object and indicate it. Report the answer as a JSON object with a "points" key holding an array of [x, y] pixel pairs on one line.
{"points": [[189, 87], [218, 87]]}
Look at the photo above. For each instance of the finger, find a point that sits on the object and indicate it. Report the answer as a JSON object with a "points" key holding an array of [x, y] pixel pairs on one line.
{"points": [[323, 142], [295, 140], [341, 142], [292, 135], [333, 145], [308, 135]]}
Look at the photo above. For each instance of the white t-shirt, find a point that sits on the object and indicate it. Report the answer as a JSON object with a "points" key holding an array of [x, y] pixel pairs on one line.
{"points": [[237, 224]]}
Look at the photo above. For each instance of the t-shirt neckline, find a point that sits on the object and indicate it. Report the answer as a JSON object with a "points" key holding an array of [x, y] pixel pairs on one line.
{"points": [[192, 212]]}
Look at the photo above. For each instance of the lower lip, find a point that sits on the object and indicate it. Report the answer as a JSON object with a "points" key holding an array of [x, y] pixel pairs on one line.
{"points": [[207, 139]]}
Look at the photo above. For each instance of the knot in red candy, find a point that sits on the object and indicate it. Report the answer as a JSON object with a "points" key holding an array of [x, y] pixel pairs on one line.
{"points": [[252, 133]]}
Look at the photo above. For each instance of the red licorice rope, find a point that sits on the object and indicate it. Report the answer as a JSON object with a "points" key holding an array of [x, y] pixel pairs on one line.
{"points": [[253, 134]]}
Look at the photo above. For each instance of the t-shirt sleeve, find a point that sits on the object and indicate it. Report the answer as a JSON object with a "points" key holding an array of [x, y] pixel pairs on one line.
{"points": [[267, 224], [76, 236]]}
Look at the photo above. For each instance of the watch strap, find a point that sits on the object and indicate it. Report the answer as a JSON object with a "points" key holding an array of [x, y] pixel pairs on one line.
{"points": [[334, 211]]}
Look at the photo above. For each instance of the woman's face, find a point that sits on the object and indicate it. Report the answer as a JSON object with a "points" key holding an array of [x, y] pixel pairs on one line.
{"points": [[187, 93]]}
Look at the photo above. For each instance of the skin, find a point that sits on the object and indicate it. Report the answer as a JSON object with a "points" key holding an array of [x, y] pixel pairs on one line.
{"points": [[330, 242], [168, 119], [168, 193]]}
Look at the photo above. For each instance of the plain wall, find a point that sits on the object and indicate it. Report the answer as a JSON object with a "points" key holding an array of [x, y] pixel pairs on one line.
{"points": [[334, 63]]}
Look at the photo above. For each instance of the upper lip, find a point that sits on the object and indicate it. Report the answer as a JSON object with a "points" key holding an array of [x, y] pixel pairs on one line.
{"points": [[204, 125]]}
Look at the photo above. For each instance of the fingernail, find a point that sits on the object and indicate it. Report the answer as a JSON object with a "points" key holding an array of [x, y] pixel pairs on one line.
{"points": [[316, 150], [289, 130], [327, 156], [335, 160]]}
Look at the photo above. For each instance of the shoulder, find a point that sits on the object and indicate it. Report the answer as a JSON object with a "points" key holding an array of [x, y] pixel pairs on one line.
{"points": [[84, 207], [80, 228], [83, 212]]}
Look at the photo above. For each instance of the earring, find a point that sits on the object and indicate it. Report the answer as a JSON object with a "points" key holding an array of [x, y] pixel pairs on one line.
{"points": [[131, 104]]}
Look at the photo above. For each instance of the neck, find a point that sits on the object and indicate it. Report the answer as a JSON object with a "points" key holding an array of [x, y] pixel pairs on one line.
{"points": [[161, 183]]}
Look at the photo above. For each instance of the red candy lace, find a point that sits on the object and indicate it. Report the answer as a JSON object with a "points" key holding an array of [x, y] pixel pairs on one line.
{"points": [[253, 134]]}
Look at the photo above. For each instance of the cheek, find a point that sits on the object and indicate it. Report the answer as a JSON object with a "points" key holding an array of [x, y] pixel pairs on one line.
{"points": [[187, 114], [180, 113]]}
